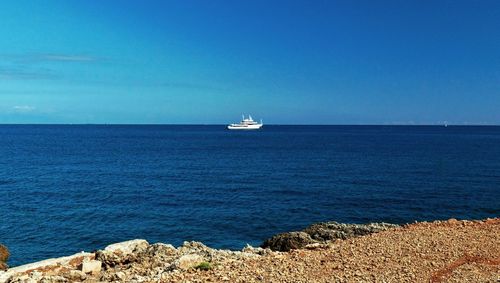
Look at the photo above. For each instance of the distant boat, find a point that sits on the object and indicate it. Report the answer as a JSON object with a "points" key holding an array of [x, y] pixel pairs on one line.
{"points": [[246, 124]]}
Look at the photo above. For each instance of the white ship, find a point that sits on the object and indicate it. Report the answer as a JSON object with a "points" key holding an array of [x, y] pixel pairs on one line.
{"points": [[246, 124]]}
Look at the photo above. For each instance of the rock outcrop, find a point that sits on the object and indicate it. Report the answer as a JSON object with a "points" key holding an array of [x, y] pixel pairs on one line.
{"points": [[139, 261], [53, 269], [322, 233], [122, 253], [4, 256], [288, 241], [328, 231], [131, 261]]}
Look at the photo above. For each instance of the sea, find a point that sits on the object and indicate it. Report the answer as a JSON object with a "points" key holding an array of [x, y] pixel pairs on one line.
{"points": [[71, 188]]}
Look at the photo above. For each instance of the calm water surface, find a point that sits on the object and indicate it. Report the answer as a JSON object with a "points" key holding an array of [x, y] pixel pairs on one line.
{"points": [[64, 189]]}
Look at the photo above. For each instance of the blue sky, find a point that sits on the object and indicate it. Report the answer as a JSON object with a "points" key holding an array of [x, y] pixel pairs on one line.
{"points": [[289, 62]]}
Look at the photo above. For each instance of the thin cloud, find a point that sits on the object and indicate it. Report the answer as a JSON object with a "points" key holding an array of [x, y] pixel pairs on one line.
{"points": [[18, 74], [188, 85], [33, 58], [67, 58], [24, 108], [33, 66]]}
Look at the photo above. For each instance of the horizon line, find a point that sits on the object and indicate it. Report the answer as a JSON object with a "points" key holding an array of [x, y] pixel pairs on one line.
{"points": [[189, 124]]}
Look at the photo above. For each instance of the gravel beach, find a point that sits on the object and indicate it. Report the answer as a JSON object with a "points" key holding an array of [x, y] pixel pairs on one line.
{"points": [[450, 251]]}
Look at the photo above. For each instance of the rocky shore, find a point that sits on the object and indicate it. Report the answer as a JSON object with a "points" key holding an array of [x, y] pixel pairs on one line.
{"points": [[440, 251], [4, 256]]}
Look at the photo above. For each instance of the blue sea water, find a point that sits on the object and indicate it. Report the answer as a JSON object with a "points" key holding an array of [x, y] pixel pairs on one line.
{"points": [[68, 188]]}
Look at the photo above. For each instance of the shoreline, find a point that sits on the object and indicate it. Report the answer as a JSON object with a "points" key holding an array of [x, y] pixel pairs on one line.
{"points": [[323, 252]]}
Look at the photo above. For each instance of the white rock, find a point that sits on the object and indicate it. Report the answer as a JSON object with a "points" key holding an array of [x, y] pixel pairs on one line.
{"points": [[92, 266], [128, 247], [44, 264], [189, 261], [36, 275], [120, 275], [4, 276], [166, 246], [76, 275], [138, 278]]}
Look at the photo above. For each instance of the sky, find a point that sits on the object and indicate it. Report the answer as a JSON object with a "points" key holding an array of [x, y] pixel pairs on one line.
{"points": [[287, 62]]}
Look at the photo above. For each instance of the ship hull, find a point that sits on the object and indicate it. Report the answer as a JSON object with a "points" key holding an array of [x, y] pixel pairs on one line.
{"points": [[246, 127]]}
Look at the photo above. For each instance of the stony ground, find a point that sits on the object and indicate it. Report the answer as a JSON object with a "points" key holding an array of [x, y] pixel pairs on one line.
{"points": [[449, 251]]}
